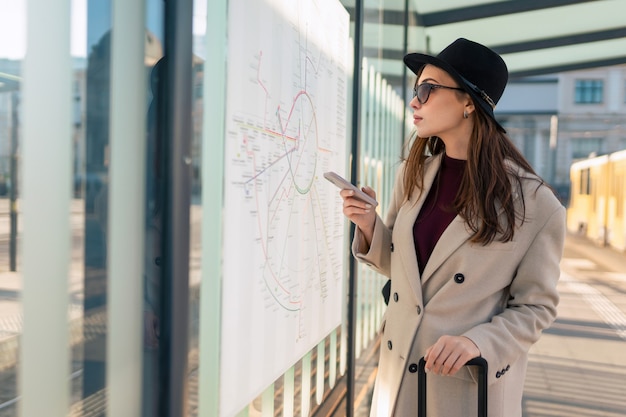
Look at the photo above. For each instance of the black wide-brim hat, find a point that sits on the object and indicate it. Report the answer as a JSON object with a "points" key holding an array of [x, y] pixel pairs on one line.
{"points": [[477, 69]]}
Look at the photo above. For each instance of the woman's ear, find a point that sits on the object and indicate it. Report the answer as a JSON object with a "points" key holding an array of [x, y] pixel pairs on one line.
{"points": [[469, 106]]}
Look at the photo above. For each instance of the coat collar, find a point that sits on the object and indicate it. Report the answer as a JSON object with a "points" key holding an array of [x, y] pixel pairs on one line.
{"points": [[453, 237]]}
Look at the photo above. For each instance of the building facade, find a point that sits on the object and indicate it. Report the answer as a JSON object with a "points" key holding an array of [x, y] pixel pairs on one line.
{"points": [[558, 119]]}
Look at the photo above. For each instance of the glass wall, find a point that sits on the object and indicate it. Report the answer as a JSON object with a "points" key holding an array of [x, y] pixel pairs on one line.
{"points": [[10, 279], [384, 129], [59, 144], [119, 183], [88, 168]]}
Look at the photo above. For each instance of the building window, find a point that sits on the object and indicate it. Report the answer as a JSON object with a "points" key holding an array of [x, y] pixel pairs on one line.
{"points": [[587, 147], [584, 187], [589, 91], [618, 192]]}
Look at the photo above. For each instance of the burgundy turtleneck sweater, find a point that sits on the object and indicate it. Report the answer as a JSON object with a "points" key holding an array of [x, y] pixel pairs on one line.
{"points": [[438, 209]]}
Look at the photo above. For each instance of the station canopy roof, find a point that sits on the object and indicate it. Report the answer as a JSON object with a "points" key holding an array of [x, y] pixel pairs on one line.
{"points": [[533, 36]]}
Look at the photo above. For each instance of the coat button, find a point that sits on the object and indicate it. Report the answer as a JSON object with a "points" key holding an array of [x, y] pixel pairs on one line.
{"points": [[419, 310], [413, 368], [498, 374], [459, 278], [392, 246], [507, 367], [389, 345], [157, 261], [395, 297]]}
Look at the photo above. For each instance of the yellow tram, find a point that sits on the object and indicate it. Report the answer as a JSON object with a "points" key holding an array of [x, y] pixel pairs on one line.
{"points": [[597, 199]]}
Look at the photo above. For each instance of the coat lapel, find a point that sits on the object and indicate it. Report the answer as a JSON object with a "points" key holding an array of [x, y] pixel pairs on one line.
{"points": [[403, 229], [454, 236]]}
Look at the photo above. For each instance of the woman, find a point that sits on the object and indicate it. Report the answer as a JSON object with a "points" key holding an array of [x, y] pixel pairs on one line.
{"points": [[472, 245]]}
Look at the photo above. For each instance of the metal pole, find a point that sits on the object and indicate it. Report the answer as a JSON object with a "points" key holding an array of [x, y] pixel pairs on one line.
{"points": [[13, 192], [354, 172], [177, 161], [405, 50]]}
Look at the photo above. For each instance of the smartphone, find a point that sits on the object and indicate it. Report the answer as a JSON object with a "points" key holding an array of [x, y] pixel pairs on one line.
{"points": [[344, 184]]}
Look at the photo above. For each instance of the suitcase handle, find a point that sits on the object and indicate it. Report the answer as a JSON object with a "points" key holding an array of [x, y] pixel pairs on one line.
{"points": [[482, 386]]}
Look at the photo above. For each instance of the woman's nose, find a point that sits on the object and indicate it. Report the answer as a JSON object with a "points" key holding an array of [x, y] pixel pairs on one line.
{"points": [[414, 103]]}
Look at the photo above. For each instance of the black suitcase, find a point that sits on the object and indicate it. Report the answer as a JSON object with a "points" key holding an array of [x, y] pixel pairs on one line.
{"points": [[482, 386]]}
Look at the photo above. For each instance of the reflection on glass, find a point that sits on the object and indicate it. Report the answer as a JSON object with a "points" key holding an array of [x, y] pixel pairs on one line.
{"points": [[195, 244], [11, 54], [10, 278], [153, 273], [91, 190], [11, 59]]}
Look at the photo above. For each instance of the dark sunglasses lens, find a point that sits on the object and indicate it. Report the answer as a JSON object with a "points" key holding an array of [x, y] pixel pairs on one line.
{"points": [[423, 92]]}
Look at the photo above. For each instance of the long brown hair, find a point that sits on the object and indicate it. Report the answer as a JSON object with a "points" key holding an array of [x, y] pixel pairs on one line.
{"points": [[488, 185]]}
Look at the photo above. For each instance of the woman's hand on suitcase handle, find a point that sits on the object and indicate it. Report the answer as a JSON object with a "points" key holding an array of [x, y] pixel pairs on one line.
{"points": [[449, 354]]}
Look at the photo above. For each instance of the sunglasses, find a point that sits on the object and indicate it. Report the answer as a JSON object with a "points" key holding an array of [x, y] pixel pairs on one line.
{"points": [[422, 91]]}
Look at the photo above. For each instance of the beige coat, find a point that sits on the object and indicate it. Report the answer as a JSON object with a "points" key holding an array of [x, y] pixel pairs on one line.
{"points": [[501, 296]]}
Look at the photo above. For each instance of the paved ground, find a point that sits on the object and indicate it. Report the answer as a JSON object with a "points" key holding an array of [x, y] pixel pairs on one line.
{"points": [[578, 367]]}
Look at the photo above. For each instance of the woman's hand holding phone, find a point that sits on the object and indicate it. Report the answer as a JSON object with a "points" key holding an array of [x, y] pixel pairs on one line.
{"points": [[358, 204]]}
